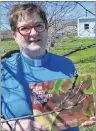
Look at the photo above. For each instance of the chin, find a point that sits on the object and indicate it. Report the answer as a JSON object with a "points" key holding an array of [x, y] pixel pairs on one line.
{"points": [[36, 48]]}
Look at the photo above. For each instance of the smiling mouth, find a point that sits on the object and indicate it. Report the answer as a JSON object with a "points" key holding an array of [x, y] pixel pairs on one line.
{"points": [[31, 41]]}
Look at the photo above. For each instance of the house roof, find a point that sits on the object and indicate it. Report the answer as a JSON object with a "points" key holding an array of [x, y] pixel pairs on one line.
{"points": [[82, 18]]}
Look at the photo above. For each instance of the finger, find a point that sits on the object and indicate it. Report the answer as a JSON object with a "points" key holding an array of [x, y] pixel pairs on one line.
{"points": [[93, 118], [36, 129], [88, 123], [37, 126]]}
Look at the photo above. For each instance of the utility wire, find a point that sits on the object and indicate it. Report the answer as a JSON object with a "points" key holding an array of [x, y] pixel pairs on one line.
{"points": [[85, 8]]}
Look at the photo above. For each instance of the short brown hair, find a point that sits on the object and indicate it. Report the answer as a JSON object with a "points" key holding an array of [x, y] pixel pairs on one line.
{"points": [[20, 10]]}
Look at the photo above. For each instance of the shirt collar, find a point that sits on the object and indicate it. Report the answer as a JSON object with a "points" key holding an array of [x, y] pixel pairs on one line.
{"points": [[36, 62]]}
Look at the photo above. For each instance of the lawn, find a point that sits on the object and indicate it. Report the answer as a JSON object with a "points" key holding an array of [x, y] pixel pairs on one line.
{"points": [[64, 45], [7, 46]]}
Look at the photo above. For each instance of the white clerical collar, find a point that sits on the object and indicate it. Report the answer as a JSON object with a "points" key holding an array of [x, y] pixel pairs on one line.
{"points": [[36, 62]]}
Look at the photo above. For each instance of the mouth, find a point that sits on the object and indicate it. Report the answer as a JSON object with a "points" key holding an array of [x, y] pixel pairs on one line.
{"points": [[35, 41]]}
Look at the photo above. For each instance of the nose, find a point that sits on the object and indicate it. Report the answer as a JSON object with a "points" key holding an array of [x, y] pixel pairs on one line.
{"points": [[33, 32]]}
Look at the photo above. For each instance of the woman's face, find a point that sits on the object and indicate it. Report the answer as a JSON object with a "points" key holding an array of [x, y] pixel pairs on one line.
{"points": [[33, 44]]}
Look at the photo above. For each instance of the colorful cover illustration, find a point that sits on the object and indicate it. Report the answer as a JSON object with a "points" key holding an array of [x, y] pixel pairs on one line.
{"points": [[63, 103]]}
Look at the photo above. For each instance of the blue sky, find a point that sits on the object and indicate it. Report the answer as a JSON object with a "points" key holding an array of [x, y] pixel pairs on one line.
{"points": [[78, 11], [90, 5]]}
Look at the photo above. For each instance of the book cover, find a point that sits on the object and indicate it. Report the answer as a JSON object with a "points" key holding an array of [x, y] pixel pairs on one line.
{"points": [[63, 103]]}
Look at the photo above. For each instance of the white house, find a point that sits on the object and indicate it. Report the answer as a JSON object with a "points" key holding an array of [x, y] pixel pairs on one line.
{"points": [[86, 27]]}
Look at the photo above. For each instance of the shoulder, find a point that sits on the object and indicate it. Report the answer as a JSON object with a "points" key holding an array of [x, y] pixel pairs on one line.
{"points": [[61, 59], [63, 64], [8, 63]]}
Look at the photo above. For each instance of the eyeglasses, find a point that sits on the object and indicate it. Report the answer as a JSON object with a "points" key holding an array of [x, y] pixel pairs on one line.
{"points": [[26, 30]]}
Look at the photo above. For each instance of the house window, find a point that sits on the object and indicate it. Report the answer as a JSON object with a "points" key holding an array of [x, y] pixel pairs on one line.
{"points": [[86, 26]]}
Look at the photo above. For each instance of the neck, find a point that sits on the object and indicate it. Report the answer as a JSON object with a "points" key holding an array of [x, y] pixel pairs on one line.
{"points": [[34, 54]]}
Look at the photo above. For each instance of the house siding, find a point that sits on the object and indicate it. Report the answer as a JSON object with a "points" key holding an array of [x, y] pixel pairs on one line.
{"points": [[86, 32]]}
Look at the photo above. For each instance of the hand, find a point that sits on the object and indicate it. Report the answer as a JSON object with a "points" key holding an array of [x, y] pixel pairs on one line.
{"points": [[24, 125], [91, 122], [29, 125], [37, 127]]}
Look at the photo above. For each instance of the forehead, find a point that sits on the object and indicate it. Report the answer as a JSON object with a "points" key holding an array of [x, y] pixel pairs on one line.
{"points": [[29, 19]]}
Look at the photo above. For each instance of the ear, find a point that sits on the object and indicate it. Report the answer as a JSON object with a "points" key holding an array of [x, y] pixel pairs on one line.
{"points": [[13, 34]]}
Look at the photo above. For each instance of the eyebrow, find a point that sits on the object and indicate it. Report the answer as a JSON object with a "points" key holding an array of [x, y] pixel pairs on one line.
{"points": [[38, 22]]}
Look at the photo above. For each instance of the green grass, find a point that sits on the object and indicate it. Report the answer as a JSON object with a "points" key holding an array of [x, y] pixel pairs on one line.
{"points": [[64, 45], [83, 56], [91, 128], [7, 46], [85, 68]]}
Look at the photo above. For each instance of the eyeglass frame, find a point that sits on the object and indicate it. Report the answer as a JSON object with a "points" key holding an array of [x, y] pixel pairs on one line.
{"points": [[27, 34]]}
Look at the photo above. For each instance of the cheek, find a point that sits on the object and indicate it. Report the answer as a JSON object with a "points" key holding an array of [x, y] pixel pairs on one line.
{"points": [[45, 36], [21, 40]]}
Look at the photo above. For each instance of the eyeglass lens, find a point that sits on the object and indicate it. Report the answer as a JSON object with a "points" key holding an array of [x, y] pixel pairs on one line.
{"points": [[27, 29]]}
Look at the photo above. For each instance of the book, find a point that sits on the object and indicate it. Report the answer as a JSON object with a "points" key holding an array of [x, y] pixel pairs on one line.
{"points": [[63, 103]]}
